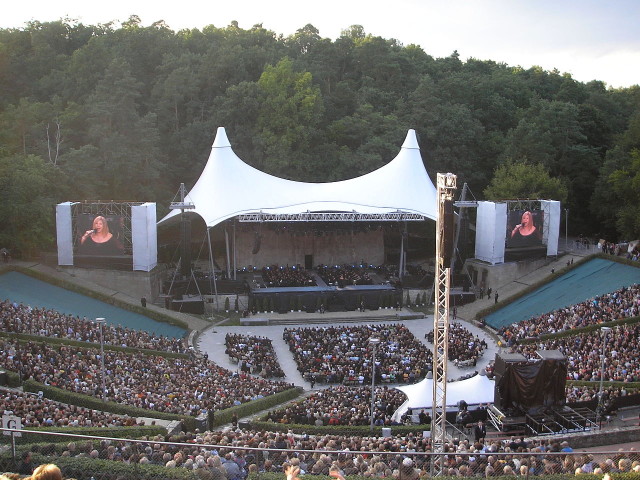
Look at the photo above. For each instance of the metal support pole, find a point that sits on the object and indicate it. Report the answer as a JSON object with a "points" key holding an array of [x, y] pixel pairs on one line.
{"points": [[213, 270], [374, 343], [100, 321], [605, 331], [566, 229], [442, 285]]}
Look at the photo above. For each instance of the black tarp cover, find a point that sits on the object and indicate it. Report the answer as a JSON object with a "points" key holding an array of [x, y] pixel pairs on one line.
{"points": [[533, 385]]}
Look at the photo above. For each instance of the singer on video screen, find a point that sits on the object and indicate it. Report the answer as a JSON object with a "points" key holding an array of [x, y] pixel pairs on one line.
{"points": [[526, 233], [99, 240]]}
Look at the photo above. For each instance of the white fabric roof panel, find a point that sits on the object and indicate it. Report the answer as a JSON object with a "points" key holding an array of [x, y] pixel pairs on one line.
{"points": [[229, 187], [475, 390]]}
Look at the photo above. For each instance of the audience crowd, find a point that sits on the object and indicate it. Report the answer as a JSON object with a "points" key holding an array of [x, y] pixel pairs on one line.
{"points": [[342, 275], [583, 353], [465, 348], [279, 276], [253, 354], [343, 354], [19, 318], [622, 303], [341, 405], [185, 386], [37, 411], [225, 455]]}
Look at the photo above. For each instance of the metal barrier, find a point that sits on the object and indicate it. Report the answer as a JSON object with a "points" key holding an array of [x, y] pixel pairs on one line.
{"points": [[236, 455]]}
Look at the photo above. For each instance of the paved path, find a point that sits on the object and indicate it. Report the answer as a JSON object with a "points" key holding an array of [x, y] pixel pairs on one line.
{"points": [[211, 341]]}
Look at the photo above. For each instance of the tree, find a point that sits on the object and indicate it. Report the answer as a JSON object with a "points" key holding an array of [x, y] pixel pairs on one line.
{"points": [[523, 180], [288, 116], [127, 143], [29, 187], [626, 184]]}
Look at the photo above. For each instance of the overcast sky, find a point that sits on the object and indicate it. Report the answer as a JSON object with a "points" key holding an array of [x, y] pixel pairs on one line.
{"points": [[589, 39]]}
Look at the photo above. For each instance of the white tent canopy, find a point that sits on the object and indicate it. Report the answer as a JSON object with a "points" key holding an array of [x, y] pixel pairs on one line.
{"points": [[475, 390], [229, 187]]}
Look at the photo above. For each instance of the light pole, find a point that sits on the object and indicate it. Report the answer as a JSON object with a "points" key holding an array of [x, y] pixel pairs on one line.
{"points": [[100, 321], [566, 229], [373, 341], [605, 331]]}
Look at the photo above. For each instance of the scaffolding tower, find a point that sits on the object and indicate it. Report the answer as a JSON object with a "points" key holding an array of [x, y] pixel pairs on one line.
{"points": [[446, 184]]}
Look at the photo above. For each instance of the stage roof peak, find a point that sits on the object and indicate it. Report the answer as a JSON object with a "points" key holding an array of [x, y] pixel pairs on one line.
{"points": [[228, 187]]}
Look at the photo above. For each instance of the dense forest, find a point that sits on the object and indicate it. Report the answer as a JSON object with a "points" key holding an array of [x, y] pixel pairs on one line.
{"points": [[127, 112]]}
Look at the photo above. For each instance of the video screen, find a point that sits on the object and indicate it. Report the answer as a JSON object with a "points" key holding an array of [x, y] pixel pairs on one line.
{"points": [[524, 228]]}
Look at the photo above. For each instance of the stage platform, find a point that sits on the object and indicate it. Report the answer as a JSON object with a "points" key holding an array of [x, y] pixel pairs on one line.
{"points": [[302, 318], [330, 298]]}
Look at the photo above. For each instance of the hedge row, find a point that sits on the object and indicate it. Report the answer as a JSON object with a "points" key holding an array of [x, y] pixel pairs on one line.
{"points": [[343, 430], [85, 468], [577, 331], [255, 406], [158, 316], [532, 288], [71, 398], [112, 432], [81, 344], [189, 423], [557, 274]]}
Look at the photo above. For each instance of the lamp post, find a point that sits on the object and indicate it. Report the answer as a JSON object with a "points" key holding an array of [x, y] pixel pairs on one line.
{"points": [[101, 321], [604, 331], [566, 229], [373, 341]]}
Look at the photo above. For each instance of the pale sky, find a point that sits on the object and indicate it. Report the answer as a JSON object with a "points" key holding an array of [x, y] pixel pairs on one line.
{"points": [[590, 39]]}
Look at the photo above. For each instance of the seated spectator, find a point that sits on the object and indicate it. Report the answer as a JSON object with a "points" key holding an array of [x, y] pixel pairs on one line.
{"points": [[343, 354], [254, 355], [19, 318]]}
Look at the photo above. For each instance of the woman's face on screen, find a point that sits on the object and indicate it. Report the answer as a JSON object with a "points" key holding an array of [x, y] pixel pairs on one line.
{"points": [[98, 224]]}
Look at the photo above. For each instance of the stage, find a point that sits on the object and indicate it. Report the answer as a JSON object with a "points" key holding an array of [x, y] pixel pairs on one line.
{"points": [[327, 297]]}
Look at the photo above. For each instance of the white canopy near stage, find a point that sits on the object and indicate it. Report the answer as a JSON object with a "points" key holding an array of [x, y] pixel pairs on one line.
{"points": [[229, 187], [475, 390]]}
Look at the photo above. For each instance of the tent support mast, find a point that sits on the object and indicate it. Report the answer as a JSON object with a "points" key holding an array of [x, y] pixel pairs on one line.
{"points": [[401, 260], [226, 242], [235, 268], [213, 270], [446, 184]]}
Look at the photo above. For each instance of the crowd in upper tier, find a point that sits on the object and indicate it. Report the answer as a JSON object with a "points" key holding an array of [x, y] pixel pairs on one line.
{"points": [[185, 386], [583, 353], [253, 354], [623, 303], [344, 353], [19, 318]]}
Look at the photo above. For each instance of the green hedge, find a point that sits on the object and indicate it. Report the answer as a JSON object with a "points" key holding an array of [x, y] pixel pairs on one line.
{"points": [[345, 430], [113, 432], [81, 344], [189, 423], [577, 331], [158, 316], [531, 288], [85, 468], [251, 408], [65, 396], [557, 274], [13, 379]]}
